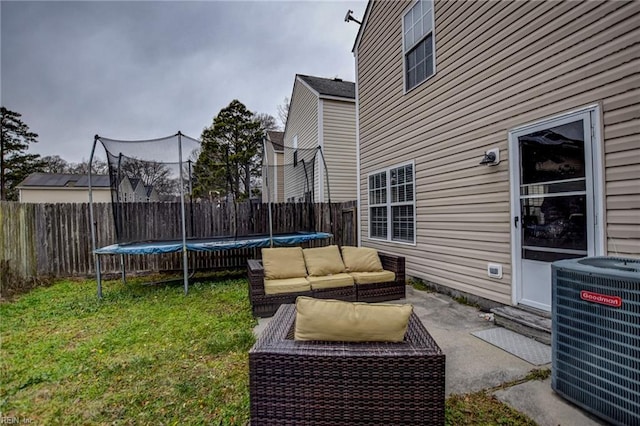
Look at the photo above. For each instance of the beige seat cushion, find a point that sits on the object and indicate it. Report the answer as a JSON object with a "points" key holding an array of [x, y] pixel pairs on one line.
{"points": [[330, 281], [283, 262], [287, 285], [361, 259], [323, 261], [335, 320], [373, 277]]}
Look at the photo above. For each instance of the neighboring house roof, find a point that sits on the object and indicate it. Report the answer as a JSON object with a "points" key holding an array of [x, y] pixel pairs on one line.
{"points": [[149, 190], [276, 139], [330, 87], [62, 180], [134, 182]]}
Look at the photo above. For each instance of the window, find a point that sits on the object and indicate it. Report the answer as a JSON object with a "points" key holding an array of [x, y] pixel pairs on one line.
{"points": [[419, 43], [378, 205], [392, 204]]}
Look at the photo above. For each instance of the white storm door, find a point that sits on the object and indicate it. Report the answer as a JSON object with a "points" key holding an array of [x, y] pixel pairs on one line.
{"points": [[552, 201]]}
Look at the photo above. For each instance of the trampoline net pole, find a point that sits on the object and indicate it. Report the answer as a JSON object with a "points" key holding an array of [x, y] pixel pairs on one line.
{"points": [[267, 183], [185, 266], [326, 175], [93, 224], [192, 226]]}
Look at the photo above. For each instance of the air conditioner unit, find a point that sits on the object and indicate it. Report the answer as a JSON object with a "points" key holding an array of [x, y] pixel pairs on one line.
{"points": [[596, 336]]}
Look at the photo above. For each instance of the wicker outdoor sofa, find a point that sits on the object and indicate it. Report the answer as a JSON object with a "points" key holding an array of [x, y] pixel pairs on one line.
{"points": [[265, 305], [341, 383]]}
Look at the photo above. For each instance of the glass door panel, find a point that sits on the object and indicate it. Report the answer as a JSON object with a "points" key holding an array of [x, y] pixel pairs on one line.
{"points": [[553, 193], [554, 154]]}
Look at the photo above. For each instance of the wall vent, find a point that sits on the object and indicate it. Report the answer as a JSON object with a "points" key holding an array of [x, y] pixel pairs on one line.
{"points": [[596, 336]]}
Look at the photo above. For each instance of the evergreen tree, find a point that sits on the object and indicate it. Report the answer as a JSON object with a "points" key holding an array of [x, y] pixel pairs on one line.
{"points": [[15, 163], [231, 154]]}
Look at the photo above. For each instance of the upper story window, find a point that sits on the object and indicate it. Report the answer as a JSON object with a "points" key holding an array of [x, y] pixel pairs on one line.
{"points": [[419, 43]]}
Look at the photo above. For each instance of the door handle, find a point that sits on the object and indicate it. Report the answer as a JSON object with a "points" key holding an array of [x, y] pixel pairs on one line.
{"points": [[515, 221]]}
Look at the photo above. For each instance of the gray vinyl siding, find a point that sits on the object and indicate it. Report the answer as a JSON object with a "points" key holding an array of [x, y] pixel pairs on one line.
{"points": [[303, 122], [622, 160], [268, 176], [269, 172], [499, 65], [339, 148], [280, 177]]}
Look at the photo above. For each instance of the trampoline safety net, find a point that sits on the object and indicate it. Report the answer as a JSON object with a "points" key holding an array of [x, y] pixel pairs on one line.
{"points": [[148, 178], [143, 173]]}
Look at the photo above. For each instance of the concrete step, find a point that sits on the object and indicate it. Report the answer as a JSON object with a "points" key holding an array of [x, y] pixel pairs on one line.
{"points": [[528, 322]]}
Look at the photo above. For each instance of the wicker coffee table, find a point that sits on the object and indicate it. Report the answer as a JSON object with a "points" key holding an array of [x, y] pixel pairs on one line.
{"points": [[342, 383]]}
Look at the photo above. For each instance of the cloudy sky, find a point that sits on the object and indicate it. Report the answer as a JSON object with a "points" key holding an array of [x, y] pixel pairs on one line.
{"points": [[146, 69]]}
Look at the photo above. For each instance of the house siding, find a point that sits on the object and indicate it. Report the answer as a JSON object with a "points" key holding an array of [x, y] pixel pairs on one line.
{"points": [[499, 65], [339, 148], [275, 175], [268, 190], [280, 177], [622, 160], [303, 122], [63, 195]]}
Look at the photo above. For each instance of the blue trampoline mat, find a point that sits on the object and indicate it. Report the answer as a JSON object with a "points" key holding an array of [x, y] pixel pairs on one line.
{"points": [[212, 244]]}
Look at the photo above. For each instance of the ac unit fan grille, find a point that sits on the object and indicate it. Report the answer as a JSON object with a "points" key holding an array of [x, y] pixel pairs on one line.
{"points": [[596, 348]]}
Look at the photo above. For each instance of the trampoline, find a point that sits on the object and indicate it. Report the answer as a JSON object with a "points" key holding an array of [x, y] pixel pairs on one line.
{"points": [[146, 172], [213, 244]]}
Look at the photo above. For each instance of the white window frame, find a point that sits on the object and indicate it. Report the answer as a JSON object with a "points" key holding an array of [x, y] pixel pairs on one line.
{"points": [[389, 204], [406, 49]]}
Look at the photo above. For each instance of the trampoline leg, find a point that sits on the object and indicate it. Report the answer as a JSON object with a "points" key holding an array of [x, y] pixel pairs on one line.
{"points": [[123, 269], [185, 267], [98, 276]]}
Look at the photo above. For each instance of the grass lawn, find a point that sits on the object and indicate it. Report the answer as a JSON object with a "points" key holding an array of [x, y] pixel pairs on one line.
{"points": [[146, 355]]}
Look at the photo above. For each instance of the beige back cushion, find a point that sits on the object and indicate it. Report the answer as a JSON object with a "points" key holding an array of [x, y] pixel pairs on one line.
{"points": [[283, 262], [361, 259], [323, 261], [335, 320]]}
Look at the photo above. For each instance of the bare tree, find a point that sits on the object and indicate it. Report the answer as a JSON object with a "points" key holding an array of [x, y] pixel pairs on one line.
{"points": [[98, 167], [55, 164], [267, 121], [151, 173], [283, 111]]}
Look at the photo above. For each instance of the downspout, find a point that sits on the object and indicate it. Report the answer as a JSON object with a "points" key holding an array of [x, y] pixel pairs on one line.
{"points": [[358, 189], [321, 197]]}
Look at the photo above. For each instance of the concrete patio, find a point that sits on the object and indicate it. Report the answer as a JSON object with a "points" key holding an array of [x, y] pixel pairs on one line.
{"points": [[473, 364]]}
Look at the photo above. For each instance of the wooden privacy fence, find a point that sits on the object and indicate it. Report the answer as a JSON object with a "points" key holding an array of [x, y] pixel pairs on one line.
{"points": [[55, 239]]}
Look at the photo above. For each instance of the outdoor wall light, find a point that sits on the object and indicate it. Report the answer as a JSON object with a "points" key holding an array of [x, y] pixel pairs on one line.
{"points": [[491, 157], [349, 17]]}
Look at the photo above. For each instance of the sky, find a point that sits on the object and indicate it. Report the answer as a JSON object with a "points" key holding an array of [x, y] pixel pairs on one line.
{"points": [[147, 69]]}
